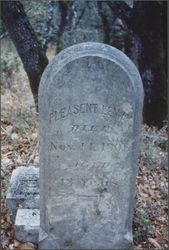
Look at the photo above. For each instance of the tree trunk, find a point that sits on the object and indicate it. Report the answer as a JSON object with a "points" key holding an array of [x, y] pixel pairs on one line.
{"points": [[153, 59], [23, 36], [141, 33]]}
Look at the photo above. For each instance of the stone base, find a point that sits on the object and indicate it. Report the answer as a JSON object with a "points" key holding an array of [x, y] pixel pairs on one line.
{"points": [[27, 224]]}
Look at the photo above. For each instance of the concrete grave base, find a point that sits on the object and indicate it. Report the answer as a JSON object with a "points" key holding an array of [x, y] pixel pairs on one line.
{"points": [[27, 225]]}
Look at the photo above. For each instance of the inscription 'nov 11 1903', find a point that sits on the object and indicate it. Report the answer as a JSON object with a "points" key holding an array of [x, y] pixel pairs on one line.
{"points": [[90, 109]]}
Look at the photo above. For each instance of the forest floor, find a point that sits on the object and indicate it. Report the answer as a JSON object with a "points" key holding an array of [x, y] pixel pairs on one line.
{"points": [[19, 133]]}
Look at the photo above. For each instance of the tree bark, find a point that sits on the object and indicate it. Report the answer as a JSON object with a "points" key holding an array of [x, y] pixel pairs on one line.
{"points": [[141, 33], [153, 59], [23, 36]]}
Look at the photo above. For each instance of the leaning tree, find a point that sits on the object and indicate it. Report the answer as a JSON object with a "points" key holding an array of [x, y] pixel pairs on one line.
{"points": [[24, 38]]}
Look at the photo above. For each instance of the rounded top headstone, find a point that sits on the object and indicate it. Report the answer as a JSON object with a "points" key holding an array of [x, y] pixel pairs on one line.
{"points": [[91, 49], [90, 110]]}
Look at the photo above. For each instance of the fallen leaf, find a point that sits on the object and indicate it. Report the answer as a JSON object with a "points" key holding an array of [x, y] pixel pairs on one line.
{"points": [[154, 243], [11, 247], [9, 129], [14, 136], [27, 246], [34, 136], [6, 161], [16, 243]]}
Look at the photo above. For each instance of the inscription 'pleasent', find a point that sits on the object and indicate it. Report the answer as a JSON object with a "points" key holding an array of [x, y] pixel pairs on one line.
{"points": [[85, 108]]}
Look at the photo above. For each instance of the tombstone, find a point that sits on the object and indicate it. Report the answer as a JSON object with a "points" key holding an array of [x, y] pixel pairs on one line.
{"points": [[90, 111], [23, 191]]}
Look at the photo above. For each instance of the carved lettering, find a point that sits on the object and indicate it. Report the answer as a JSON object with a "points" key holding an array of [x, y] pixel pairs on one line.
{"points": [[85, 108], [29, 183], [90, 128], [102, 184], [90, 146], [97, 164], [75, 128]]}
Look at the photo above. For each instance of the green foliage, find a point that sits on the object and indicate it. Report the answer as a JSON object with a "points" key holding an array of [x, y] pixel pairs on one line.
{"points": [[9, 65], [59, 44]]}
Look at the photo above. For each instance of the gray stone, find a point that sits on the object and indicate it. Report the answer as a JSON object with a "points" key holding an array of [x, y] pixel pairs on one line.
{"points": [[23, 190], [88, 21], [27, 225], [84, 22], [90, 111]]}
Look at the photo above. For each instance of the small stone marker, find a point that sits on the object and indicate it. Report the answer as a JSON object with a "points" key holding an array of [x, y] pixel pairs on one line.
{"points": [[90, 111], [23, 191]]}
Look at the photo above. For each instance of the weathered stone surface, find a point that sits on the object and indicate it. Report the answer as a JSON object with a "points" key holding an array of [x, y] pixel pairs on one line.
{"points": [[80, 21], [90, 110], [27, 225], [83, 24], [23, 190]]}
